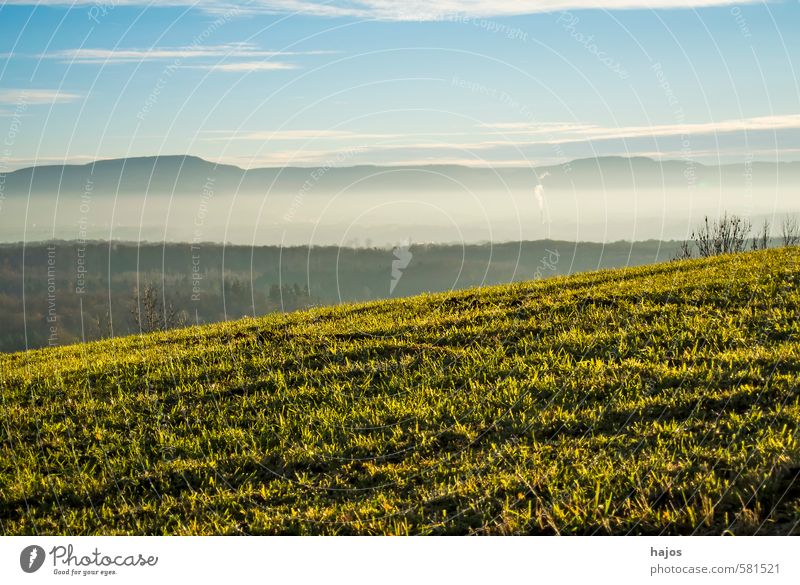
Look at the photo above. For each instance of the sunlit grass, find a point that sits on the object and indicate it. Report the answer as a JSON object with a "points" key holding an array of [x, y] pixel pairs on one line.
{"points": [[652, 400]]}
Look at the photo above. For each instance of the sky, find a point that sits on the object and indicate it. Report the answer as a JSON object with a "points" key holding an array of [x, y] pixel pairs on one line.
{"points": [[500, 83]]}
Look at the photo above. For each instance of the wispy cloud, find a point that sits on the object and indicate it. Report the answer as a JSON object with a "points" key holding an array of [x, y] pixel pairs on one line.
{"points": [[503, 134], [244, 67], [500, 144], [27, 97], [224, 58], [443, 9], [413, 9], [137, 55], [299, 135], [563, 133]]}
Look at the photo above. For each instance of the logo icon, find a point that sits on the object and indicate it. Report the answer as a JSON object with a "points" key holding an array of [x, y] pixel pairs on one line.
{"points": [[403, 256], [31, 558]]}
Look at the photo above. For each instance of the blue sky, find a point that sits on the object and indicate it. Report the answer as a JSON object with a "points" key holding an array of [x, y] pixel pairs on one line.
{"points": [[289, 82]]}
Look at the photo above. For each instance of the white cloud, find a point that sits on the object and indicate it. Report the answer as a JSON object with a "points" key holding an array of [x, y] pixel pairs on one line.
{"points": [[26, 97], [246, 67], [495, 142], [762, 154], [541, 129], [135, 55], [497, 136], [413, 9], [512, 134], [290, 135], [563, 133], [443, 9]]}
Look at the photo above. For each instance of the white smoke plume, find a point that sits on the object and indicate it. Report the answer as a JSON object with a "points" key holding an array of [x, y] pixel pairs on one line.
{"points": [[538, 192]]}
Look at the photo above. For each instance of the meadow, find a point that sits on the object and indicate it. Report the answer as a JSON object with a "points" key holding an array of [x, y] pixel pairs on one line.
{"points": [[653, 400]]}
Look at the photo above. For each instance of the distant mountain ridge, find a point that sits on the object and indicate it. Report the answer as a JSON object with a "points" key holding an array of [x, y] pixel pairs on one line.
{"points": [[187, 175]]}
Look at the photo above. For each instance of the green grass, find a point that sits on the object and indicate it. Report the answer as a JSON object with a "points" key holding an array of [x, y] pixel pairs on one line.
{"points": [[653, 400]]}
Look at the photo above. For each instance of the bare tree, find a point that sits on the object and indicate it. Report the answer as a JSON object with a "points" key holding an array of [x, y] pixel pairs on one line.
{"points": [[684, 252], [727, 235], [761, 240], [791, 231], [150, 312], [103, 324]]}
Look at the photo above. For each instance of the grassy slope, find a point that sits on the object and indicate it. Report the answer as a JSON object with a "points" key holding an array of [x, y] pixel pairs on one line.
{"points": [[647, 400]]}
